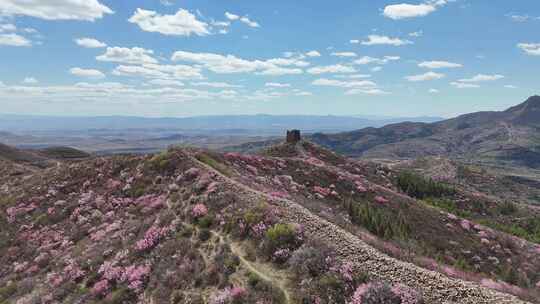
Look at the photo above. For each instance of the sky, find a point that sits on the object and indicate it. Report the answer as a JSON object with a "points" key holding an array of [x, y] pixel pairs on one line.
{"points": [[182, 58]]}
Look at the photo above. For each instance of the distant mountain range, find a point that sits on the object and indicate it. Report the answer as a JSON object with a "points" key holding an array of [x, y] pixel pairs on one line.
{"points": [[512, 135], [237, 124]]}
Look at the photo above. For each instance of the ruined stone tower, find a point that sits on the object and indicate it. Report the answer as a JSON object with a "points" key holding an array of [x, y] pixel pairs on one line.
{"points": [[293, 136]]}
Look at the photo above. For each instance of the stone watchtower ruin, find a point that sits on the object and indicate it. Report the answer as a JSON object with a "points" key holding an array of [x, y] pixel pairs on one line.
{"points": [[293, 136]]}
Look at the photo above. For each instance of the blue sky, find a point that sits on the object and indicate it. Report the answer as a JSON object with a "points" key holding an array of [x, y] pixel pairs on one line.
{"points": [[184, 58]]}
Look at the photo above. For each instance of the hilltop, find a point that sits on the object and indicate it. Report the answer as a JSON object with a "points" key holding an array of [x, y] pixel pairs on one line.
{"points": [[295, 223]]}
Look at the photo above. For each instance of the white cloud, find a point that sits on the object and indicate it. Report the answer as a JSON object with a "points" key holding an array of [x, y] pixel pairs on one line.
{"points": [[519, 18], [166, 2], [416, 34], [277, 85], [336, 69], [313, 54], [374, 91], [279, 71], [88, 73], [88, 10], [245, 19], [183, 23], [7, 28], [30, 80], [231, 16], [482, 78], [509, 86], [303, 93], [229, 64], [354, 41], [439, 65], [14, 40], [110, 92], [215, 85], [385, 40], [90, 43], [344, 54], [376, 69], [461, 85], [404, 10], [288, 62], [166, 83], [354, 76], [134, 55], [433, 91], [368, 60], [530, 48], [425, 77], [249, 22], [171, 72], [344, 84]]}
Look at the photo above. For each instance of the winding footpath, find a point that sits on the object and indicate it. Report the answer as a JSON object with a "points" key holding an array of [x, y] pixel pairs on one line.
{"points": [[435, 287]]}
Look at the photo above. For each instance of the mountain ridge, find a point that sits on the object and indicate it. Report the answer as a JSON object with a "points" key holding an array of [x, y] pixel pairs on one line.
{"points": [[510, 135]]}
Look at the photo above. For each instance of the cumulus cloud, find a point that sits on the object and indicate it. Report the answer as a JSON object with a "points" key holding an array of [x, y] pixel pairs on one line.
{"points": [[380, 61], [7, 28], [313, 54], [166, 83], [344, 84], [229, 64], [406, 10], [354, 41], [509, 86], [376, 69], [183, 23], [244, 19], [231, 16], [158, 71], [215, 85], [433, 91], [530, 48], [14, 40], [482, 78], [335, 69], [461, 85], [374, 91], [344, 54], [425, 77], [88, 73], [416, 34], [30, 80], [87, 10], [249, 22], [277, 85], [439, 65], [385, 40], [90, 43], [134, 55]]}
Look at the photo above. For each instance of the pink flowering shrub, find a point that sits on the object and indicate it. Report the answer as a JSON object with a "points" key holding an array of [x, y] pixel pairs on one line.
{"points": [[101, 288], [151, 238], [374, 293], [381, 293], [407, 295], [381, 200], [228, 296], [199, 210]]}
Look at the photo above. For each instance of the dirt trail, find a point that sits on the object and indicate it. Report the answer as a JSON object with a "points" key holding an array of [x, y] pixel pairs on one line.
{"points": [[435, 287], [270, 275]]}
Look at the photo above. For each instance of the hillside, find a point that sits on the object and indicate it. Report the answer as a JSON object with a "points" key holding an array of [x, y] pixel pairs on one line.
{"points": [[296, 224], [510, 136]]}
